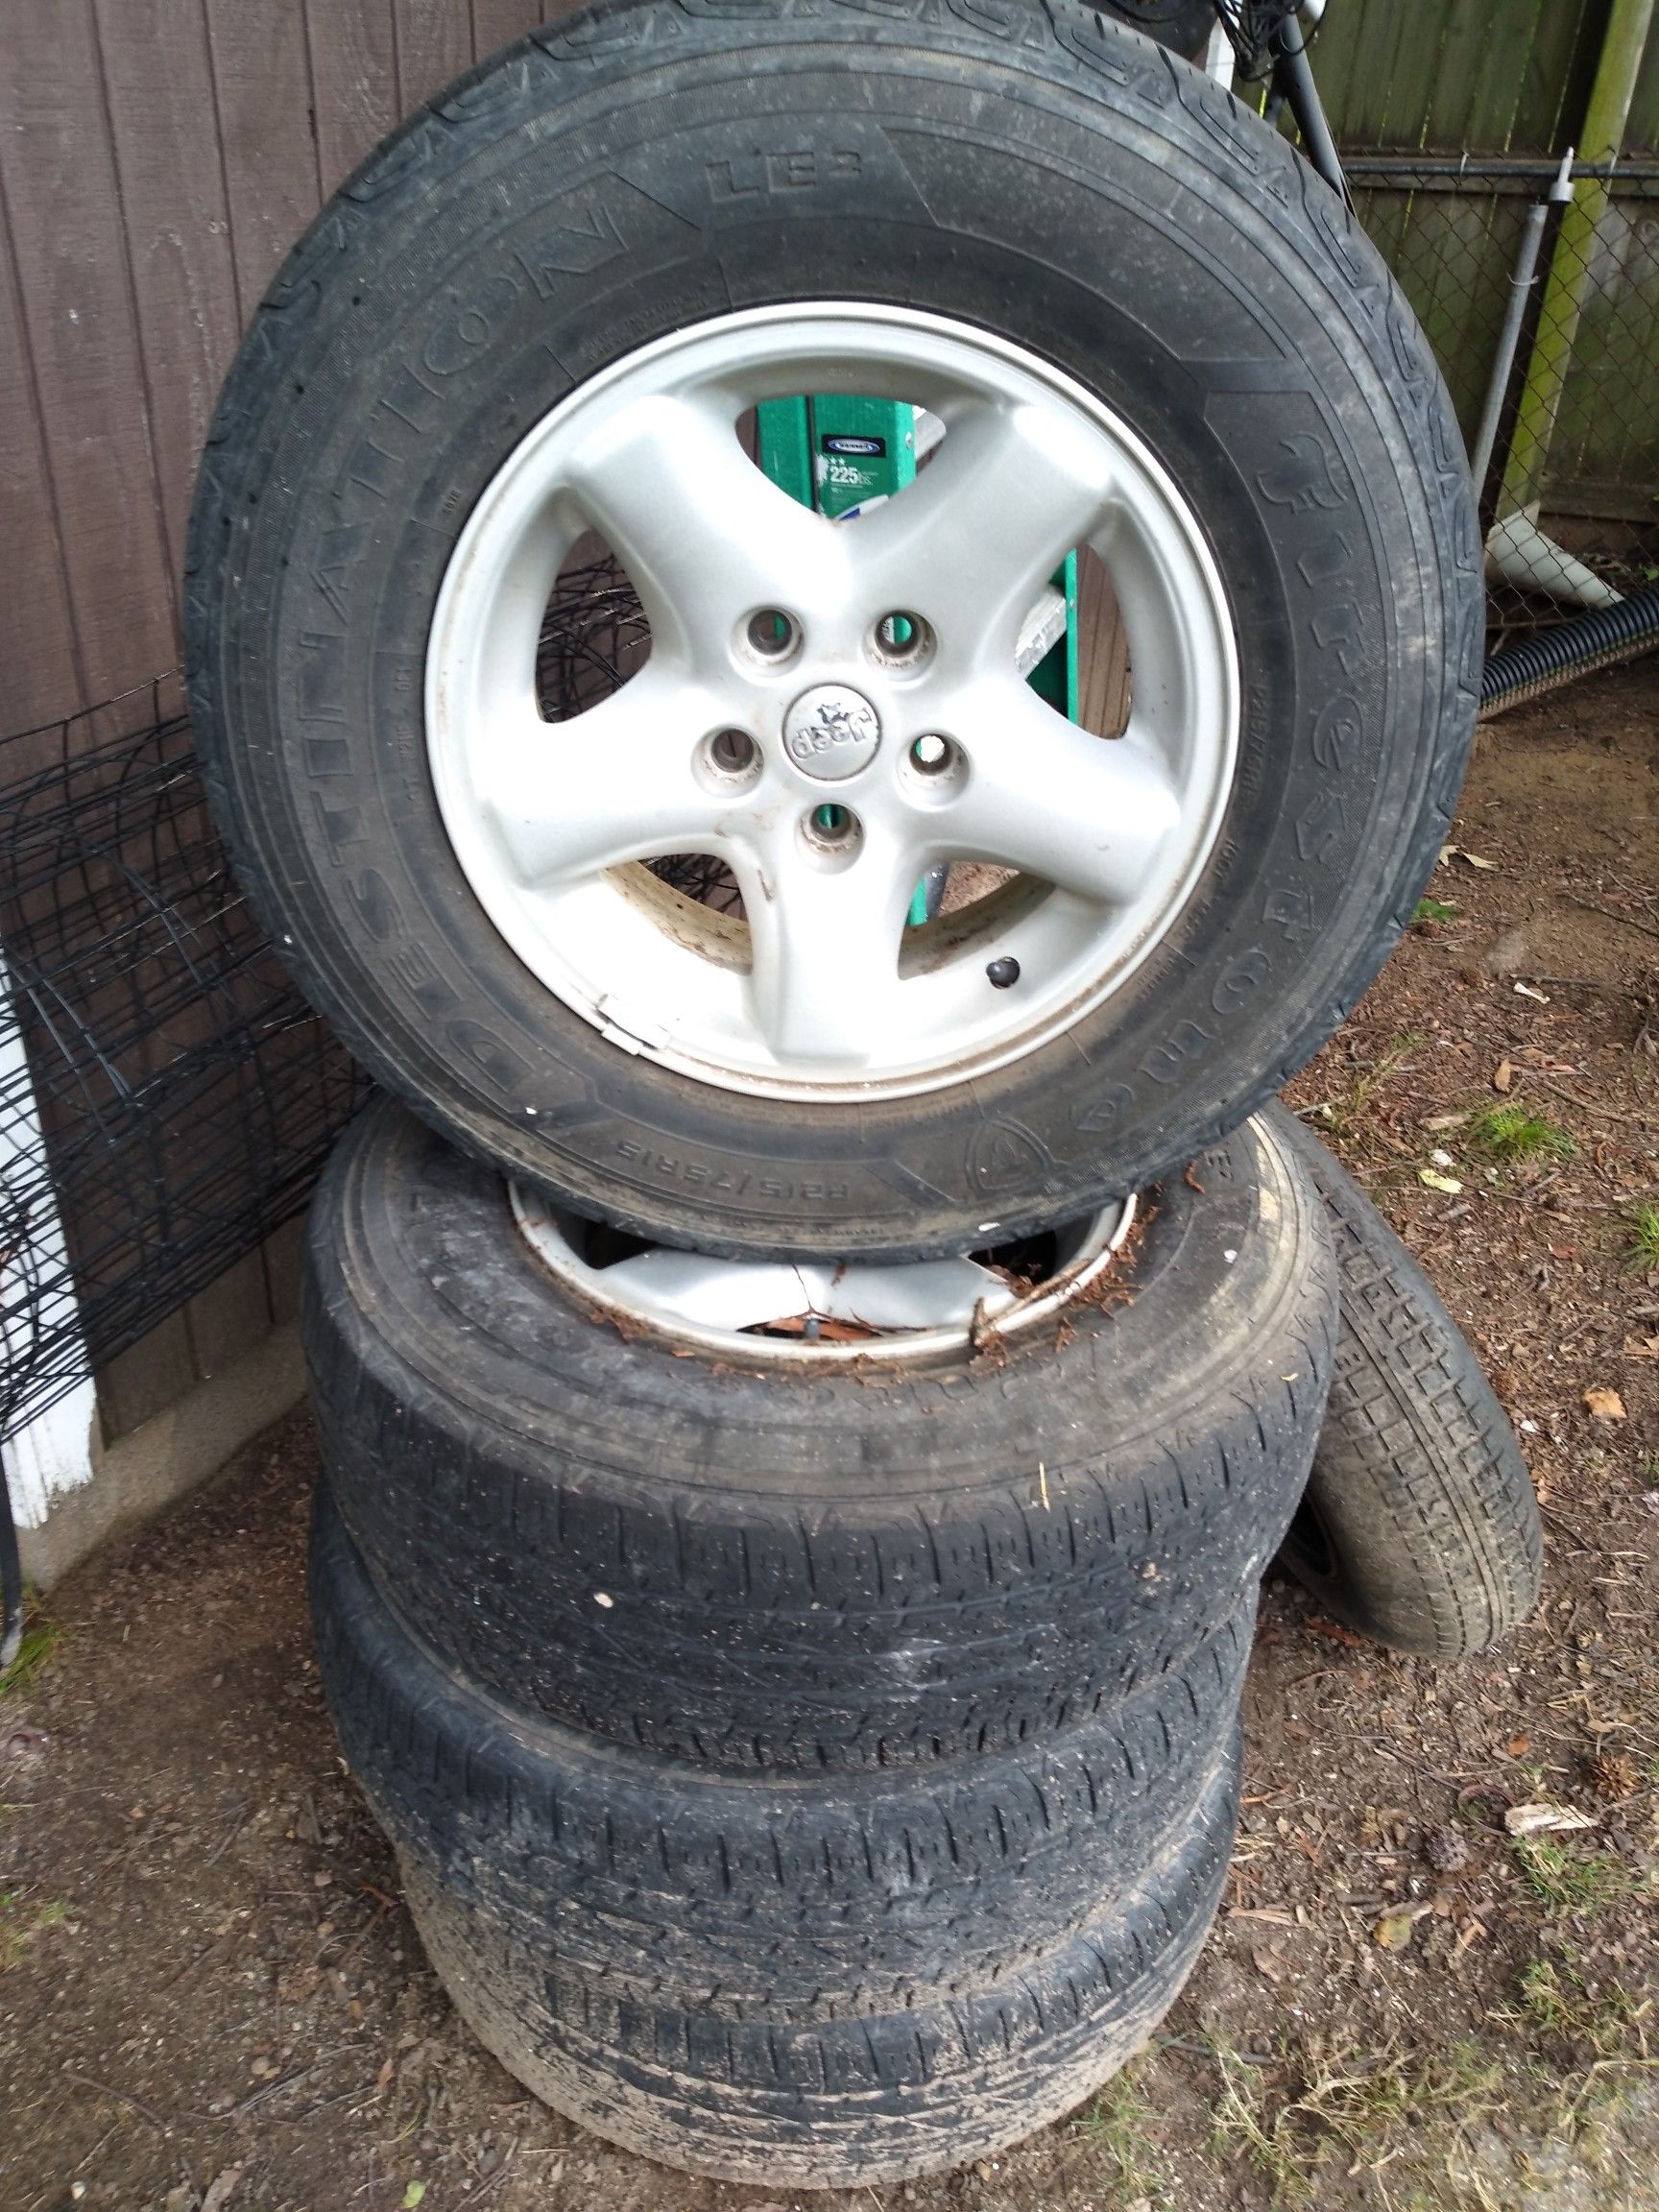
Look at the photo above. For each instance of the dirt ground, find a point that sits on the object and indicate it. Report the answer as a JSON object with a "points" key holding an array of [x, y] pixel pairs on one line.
{"points": [[210, 1996]]}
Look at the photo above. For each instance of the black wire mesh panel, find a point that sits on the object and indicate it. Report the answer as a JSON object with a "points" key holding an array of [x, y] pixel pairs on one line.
{"points": [[594, 634], [166, 1096]]}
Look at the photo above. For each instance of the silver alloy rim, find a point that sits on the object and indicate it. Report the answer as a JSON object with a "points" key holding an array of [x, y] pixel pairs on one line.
{"points": [[821, 990], [912, 1311]]}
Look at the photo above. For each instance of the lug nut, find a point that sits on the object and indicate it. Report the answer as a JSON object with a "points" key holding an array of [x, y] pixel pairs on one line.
{"points": [[733, 751], [1001, 975], [727, 759]]}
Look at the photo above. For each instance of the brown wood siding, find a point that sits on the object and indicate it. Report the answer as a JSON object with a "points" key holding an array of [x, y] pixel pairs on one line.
{"points": [[354, 81], [157, 160], [80, 329]]}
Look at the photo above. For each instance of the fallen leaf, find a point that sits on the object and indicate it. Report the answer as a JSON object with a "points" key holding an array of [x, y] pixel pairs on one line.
{"points": [[1545, 1820], [415, 2194], [1438, 1121], [1435, 1181], [1605, 1405], [1518, 1746], [1642, 1347], [1503, 1075], [218, 2189], [1475, 860], [1317, 1625], [823, 1329], [1394, 1931], [1267, 1963]]}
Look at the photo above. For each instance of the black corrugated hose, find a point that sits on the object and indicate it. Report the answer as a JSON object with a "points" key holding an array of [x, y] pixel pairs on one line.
{"points": [[1567, 649]]}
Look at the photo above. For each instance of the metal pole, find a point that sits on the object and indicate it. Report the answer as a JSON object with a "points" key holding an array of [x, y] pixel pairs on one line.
{"points": [[1293, 75], [1622, 45], [1514, 315]]}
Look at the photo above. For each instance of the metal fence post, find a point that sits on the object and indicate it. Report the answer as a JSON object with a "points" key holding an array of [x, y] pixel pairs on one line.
{"points": [[1521, 283], [1622, 45]]}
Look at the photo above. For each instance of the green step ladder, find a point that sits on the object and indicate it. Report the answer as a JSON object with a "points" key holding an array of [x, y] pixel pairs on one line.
{"points": [[837, 454]]}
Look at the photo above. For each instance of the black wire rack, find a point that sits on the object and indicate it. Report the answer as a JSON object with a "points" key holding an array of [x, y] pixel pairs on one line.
{"points": [[166, 1096]]}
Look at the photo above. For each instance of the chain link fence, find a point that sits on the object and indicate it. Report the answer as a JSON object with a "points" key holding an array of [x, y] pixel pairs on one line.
{"points": [[1544, 312]]}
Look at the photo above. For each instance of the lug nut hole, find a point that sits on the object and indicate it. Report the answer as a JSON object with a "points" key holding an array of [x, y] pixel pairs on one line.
{"points": [[771, 634], [901, 639], [832, 833], [935, 769]]}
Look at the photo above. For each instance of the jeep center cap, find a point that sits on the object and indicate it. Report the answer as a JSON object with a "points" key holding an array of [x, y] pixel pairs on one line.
{"points": [[831, 732]]}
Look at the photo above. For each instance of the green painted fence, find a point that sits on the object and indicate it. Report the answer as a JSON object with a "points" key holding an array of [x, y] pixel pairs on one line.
{"points": [[1416, 88]]}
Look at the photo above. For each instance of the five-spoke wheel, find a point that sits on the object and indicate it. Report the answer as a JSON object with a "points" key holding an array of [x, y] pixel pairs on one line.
{"points": [[832, 710]]}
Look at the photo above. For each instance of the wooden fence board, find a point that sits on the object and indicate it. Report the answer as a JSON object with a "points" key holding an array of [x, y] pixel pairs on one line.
{"points": [[498, 22], [262, 92], [434, 44], [354, 76], [78, 312], [39, 679], [1504, 75], [177, 224], [1604, 459]]}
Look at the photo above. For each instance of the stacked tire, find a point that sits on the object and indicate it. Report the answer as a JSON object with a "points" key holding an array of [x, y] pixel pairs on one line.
{"points": [[822, 1777], [808, 1387]]}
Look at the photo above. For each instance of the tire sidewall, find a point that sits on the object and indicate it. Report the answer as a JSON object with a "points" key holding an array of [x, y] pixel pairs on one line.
{"points": [[731, 173], [776, 1569]]}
